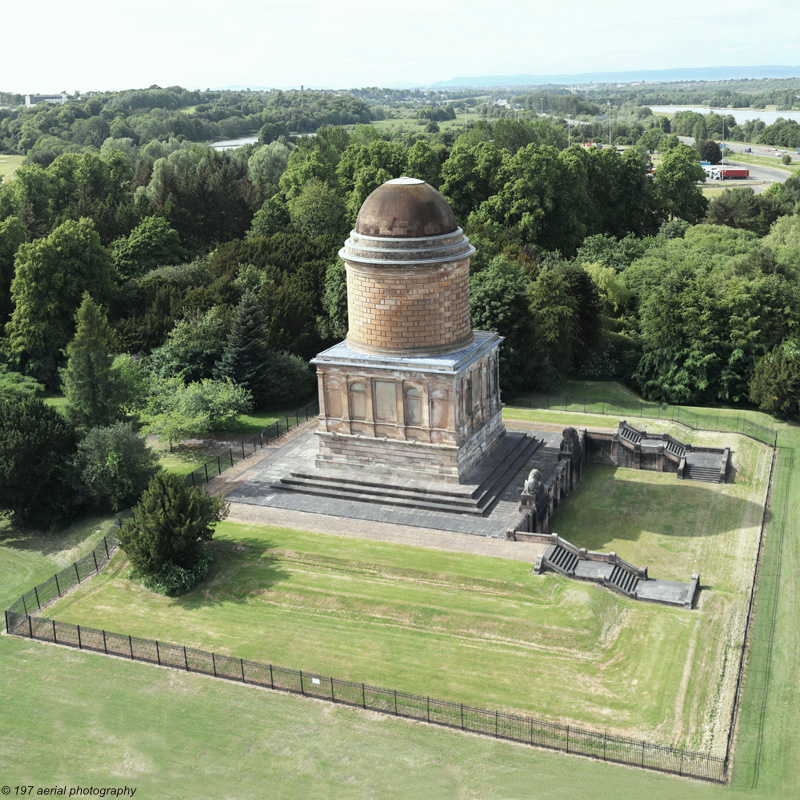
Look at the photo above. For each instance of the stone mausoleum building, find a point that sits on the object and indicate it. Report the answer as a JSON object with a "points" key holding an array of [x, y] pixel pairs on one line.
{"points": [[413, 389]]}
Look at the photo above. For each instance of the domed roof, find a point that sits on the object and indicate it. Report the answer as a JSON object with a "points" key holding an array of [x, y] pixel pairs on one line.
{"points": [[405, 208]]}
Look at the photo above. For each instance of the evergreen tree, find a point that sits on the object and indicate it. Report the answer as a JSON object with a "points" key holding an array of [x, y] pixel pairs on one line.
{"points": [[36, 445], [167, 543], [244, 360], [90, 385], [775, 386]]}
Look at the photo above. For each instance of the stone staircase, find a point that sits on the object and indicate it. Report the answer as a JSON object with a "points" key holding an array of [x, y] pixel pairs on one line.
{"points": [[476, 496], [694, 472], [561, 560], [623, 580], [676, 449], [630, 435]]}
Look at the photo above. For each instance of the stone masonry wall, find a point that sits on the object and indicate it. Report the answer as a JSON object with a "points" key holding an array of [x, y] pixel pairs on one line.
{"points": [[408, 310]]}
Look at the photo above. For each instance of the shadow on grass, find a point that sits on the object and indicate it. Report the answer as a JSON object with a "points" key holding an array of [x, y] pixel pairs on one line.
{"points": [[608, 508], [87, 529], [239, 570]]}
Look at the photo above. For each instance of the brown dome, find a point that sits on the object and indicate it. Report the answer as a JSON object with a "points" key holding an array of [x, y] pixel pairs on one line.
{"points": [[405, 208]]}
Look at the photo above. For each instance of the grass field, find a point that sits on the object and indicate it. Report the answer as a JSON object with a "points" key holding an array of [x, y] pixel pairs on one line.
{"points": [[384, 613], [9, 165], [73, 717]]}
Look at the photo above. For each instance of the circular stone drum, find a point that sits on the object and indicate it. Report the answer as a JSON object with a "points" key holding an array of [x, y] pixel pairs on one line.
{"points": [[407, 273]]}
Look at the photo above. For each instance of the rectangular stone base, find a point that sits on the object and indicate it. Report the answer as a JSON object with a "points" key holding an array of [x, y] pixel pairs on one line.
{"points": [[385, 456]]}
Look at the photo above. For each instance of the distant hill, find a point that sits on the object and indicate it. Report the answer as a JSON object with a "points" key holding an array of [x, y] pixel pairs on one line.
{"points": [[631, 76]]}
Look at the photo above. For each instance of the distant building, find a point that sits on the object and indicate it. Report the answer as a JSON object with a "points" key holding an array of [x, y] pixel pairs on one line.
{"points": [[35, 99]]}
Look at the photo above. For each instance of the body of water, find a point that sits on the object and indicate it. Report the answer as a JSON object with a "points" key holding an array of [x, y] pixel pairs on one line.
{"points": [[232, 144], [740, 114]]}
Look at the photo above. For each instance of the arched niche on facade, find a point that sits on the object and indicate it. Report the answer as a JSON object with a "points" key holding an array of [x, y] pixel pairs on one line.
{"points": [[358, 400], [412, 398]]}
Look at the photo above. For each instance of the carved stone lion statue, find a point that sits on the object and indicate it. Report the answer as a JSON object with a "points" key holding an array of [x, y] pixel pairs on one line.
{"points": [[532, 482], [570, 435]]}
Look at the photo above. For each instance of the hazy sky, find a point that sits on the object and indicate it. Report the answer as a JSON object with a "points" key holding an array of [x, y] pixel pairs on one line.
{"points": [[87, 45]]}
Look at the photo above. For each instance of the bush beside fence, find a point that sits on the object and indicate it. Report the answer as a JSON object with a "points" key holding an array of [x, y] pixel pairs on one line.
{"points": [[526, 730], [696, 418]]}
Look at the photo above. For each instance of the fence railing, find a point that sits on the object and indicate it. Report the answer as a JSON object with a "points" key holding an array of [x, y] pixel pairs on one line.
{"points": [[20, 621], [217, 465], [696, 418], [527, 730], [62, 582]]}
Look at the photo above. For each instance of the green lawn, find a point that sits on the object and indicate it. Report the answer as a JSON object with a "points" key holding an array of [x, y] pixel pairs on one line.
{"points": [[71, 717], [9, 165], [385, 614]]}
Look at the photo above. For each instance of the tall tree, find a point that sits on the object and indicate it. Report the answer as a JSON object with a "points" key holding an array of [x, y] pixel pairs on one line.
{"points": [[152, 243], [244, 360], [90, 385], [36, 446], [51, 276], [675, 182], [12, 236], [554, 323]]}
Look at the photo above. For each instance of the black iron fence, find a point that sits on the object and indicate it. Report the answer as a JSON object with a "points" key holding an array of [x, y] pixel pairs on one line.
{"points": [[217, 465], [512, 727], [696, 418]]}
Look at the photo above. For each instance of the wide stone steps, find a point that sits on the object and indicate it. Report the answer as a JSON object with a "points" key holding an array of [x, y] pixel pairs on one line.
{"points": [[623, 580], [562, 560], [486, 485], [695, 473]]}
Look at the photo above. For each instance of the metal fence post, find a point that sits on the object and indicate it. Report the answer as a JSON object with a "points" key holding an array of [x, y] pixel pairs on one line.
{"points": [[80, 644], [462, 716], [30, 627], [105, 542], [642, 752], [77, 574], [302, 690], [24, 605], [219, 466], [105, 646], [333, 698], [363, 696], [55, 638], [495, 720], [185, 659], [243, 455], [395, 702], [57, 585], [205, 469], [241, 664], [94, 556], [428, 703], [36, 592], [158, 654], [568, 738], [130, 645], [214, 664], [271, 679]]}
